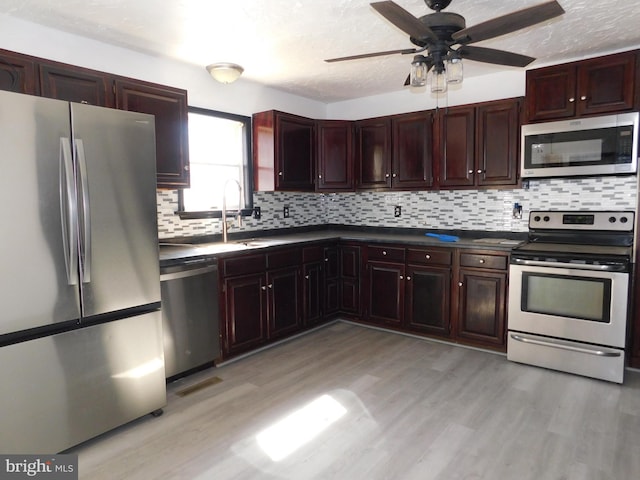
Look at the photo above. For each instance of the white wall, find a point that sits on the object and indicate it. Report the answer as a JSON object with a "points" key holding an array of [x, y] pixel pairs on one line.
{"points": [[243, 97]]}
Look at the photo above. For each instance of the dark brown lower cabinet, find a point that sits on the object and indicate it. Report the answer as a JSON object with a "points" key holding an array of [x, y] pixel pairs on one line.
{"points": [[312, 292], [428, 297], [349, 256], [283, 295], [482, 299], [246, 312], [385, 295], [331, 272]]}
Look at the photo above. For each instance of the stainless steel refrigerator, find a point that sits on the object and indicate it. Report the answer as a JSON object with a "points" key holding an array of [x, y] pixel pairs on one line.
{"points": [[81, 346]]}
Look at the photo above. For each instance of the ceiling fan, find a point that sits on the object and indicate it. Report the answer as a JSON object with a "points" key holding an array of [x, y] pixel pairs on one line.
{"points": [[445, 38]]}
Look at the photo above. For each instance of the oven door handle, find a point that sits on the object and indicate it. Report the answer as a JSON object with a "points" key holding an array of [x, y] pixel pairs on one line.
{"points": [[566, 346], [613, 267]]}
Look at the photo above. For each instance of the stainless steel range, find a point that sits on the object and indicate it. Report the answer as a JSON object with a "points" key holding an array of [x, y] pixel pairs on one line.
{"points": [[568, 293]]}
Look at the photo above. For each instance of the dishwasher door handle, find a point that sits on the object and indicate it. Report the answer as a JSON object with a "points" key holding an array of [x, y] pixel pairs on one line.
{"points": [[188, 272]]}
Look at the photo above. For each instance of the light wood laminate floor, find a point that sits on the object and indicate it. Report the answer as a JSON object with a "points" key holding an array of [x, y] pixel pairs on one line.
{"points": [[415, 409]]}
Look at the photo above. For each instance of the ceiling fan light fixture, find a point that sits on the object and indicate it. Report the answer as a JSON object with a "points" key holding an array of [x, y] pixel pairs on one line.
{"points": [[419, 71], [454, 71], [225, 72], [439, 80]]}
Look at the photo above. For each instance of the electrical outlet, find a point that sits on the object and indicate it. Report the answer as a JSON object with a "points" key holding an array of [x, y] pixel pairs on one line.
{"points": [[257, 213], [397, 211], [517, 211], [285, 211]]}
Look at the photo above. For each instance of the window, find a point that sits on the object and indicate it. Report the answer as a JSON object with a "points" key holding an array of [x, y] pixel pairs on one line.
{"points": [[219, 156]]}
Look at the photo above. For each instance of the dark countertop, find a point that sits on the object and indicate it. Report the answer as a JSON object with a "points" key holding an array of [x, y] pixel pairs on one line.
{"points": [[172, 252]]}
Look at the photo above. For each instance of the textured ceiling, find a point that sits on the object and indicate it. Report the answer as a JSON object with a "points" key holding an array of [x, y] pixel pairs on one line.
{"points": [[282, 43]]}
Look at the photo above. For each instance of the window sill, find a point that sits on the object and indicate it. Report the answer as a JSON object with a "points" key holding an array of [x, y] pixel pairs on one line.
{"points": [[246, 212]]}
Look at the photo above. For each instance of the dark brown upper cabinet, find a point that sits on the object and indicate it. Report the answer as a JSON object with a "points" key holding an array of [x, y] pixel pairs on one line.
{"points": [[457, 147], [589, 87], [334, 166], [479, 144], [373, 153], [169, 105], [283, 152], [75, 84], [412, 159], [18, 73]]}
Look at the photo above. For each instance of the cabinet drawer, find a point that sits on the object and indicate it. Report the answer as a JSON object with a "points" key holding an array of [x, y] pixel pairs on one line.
{"points": [[429, 256], [312, 254], [497, 262], [388, 254], [243, 265], [283, 258]]}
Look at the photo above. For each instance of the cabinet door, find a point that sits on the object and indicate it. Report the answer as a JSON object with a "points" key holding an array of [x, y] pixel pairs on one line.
{"points": [[349, 279], [75, 84], [497, 132], [331, 279], [335, 157], [295, 153], [427, 300], [457, 137], [312, 293], [606, 84], [373, 139], [169, 105], [385, 295], [18, 73], [551, 93], [412, 161], [284, 301], [245, 307], [481, 303]]}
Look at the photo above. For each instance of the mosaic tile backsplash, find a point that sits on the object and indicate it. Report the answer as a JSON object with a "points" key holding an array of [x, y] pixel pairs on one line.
{"points": [[490, 210]]}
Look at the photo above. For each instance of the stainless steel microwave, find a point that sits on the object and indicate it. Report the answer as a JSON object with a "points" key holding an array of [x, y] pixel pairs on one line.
{"points": [[606, 145]]}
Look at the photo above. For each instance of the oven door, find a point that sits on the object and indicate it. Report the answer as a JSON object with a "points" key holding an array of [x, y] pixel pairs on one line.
{"points": [[577, 303]]}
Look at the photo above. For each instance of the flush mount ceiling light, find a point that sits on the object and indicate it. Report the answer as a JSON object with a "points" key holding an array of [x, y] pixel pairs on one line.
{"points": [[444, 38], [225, 72]]}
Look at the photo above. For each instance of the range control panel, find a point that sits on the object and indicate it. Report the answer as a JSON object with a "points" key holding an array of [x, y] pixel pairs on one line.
{"points": [[610, 221]]}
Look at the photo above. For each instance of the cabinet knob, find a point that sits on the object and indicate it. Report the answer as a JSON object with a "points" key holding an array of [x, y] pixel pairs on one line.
{"points": [[279, 174], [479, 171], [459, 284], [571, 100], [470, 171], [401, 277], [482, 260], [386, 175], [186, 168], [427, 256], [307, 277], [408, 278], [319, 176], [326, 259], [395, 175], [583, 98], [263, 287], [270, 285], [384, 252]]}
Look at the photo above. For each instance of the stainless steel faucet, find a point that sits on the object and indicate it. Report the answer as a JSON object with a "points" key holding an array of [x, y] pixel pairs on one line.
{"points": [[226, 225]]}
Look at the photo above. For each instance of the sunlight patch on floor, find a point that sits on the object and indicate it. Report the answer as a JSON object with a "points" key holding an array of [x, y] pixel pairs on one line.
{"points": [[300, 427]]}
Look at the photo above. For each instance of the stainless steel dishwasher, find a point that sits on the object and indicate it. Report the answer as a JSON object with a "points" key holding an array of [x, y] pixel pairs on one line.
{"points": [[190, 316]]}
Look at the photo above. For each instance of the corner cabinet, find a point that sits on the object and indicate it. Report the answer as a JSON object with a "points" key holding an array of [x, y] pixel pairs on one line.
{"points": [[595, 86], [283, 152], [169, 105]]}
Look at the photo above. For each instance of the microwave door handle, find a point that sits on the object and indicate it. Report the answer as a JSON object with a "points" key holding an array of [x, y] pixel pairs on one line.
{"points": [[68, 211], [85, 227], [575, 266]]}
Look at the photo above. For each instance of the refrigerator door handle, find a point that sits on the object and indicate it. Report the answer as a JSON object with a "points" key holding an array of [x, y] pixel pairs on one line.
{"points": [[85, 218], [68, 211]]}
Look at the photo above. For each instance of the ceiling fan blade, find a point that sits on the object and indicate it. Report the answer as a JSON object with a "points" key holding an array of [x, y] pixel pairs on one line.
{"points": [[403, 20], [508, 23], [491, 55], [375, 54]]}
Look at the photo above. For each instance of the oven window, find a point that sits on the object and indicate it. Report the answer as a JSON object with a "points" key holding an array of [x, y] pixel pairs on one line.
{"points": [[567, 296]]}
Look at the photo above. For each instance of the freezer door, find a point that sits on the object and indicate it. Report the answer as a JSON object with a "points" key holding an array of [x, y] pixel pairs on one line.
{"points": [[64, 389], [37, 269], [115, 156]]}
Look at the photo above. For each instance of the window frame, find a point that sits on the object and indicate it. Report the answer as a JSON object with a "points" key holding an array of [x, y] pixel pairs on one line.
{"points": [[247, 168]]}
